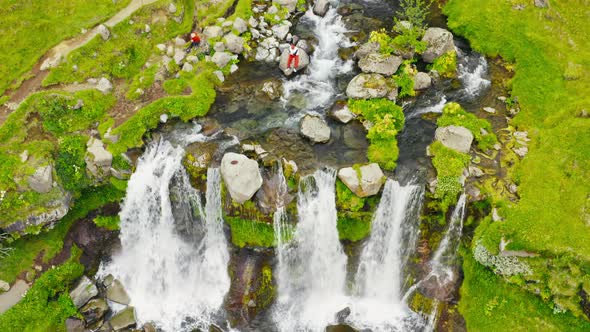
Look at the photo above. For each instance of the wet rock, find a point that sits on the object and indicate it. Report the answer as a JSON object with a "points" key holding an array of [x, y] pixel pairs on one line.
{"points": [[366, 49], [215, 328], [342, 315], [4, 286], [341, 328], [367, 86], [149, 327], [234, 44], [103, 31], [42, 180], [303, 62], [380, 64], [273, 89], [240, 25], [117, 293], [221, 59], [212, 31], [241, 176], [94, 311], [367, 181], [104, 86], [98, 159], [123, 319], [439, 41], [455, 137], [83, 292], [74, 324], [341, 113], [349, 9], [315, 128], [320, 7], [422, 81]]}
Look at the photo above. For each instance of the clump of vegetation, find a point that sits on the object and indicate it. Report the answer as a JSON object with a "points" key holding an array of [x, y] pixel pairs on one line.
{"points": [[112, 223], [455, 115], [47, 304], [414, 11], [407, 40], [404, 79], [354, 226], [142, 81], [449, 165], [70, 165], [387, 119], [250, 232], [346, 200], [445, 65]]}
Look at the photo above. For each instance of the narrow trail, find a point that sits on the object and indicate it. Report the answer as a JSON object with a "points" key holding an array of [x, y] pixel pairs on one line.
{"points": [[55, 55]]}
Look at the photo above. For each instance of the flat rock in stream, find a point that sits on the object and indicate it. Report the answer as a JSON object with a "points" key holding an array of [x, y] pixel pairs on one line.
{"points": [[366, 181], [454, 137], [303, 61], [367, 86], [315, 128], [380, 64]]}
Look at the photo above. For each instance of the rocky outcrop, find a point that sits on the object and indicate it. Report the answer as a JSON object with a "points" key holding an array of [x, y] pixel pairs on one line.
{"points": [[103, 31], [116, 293], [366, 49], [241, 176], [212, 31], [234, 44], [439, 41], [42, 180], [315, 128], [98, 159], [320, 7], [380, 64], [454, 137], [83, 292], [303, 61], [422, 81], [240, 25], [52, 211], [221, 59], [364, 181], [123, 319], [367, 86], [281, 30], [94, 311]]}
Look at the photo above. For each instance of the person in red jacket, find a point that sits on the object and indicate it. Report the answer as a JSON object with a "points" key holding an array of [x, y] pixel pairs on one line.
{"points": [[293, 54], [195, 41]]}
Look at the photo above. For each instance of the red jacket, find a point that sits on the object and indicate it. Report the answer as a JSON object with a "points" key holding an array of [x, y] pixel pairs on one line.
{"points": [[196, 39]]}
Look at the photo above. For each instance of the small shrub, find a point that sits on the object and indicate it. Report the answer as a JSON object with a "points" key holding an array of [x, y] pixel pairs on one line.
{"points": [[445, 65], [414, 11], [70, 165]]}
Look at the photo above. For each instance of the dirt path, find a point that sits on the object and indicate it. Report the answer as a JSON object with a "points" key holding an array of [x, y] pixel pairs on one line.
{"points": [[13, 296], [55, 55]]}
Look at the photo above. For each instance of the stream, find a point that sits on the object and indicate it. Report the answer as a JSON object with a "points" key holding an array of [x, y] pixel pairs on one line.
{"points": [[175, 250]]}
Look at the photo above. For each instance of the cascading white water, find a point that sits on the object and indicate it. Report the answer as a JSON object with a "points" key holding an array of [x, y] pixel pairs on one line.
{"points": [[432, 318], [317, 84], [431, 108], [473, 70], [177, 280], [312, 274], [379, 279]]}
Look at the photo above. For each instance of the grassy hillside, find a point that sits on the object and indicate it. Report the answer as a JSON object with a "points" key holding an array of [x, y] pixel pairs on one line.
{"points": [[551, 53], [30, 28]]}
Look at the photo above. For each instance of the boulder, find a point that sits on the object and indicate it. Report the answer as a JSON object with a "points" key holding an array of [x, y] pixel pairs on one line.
{"points": [[490, 110], [212, 31], [179, 56], [103, 31], [221, 59], [240, 25], [51, 211], [342, 315], [234, 44], [303, 61], [367, 86], [315, 128], [219, 75], [422, 81], [98, 159], [280, 30], [364, 182], [320, 7], [104, 86], [219, 47], [42, 180], [379, 63], [83, 292], [187, 67], [179, 41], [439, 41], [241, 176], [289, 4], [342, 113], [172, 8], [94, 310], [252, 22], [4, 286], [454, 137], [123, 319], [74, 324], [366, 49], [116, 293]]}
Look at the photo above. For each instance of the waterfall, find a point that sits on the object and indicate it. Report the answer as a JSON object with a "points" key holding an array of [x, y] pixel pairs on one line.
{"points": [[379, 279], [312, 274], [317, 84], [473, 70], [432, 318], [174, 256]]}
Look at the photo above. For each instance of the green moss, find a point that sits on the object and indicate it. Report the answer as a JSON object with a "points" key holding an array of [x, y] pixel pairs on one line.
{"points": [[250, 233], [354, 226], [404, 79], [266, 291], [47, 304], [108, 222], [35, 26], [346, 200], [142, 81], [445, 65], [175, 86], [455, 115], [449, 165]]}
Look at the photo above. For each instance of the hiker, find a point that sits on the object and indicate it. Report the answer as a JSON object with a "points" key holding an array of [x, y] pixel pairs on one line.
{"points": [[293, 54], [195, 41]]}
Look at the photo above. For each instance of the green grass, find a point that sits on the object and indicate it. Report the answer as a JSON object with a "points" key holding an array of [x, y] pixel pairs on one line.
{"points": [[354, 226], [455, 115], [47, 305], [250, 232], [126, 52], [243, 10], [30, 28], [388, 119], [50, 242], [488, 303], [108, 222], [209, 11], [552, 215]]}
